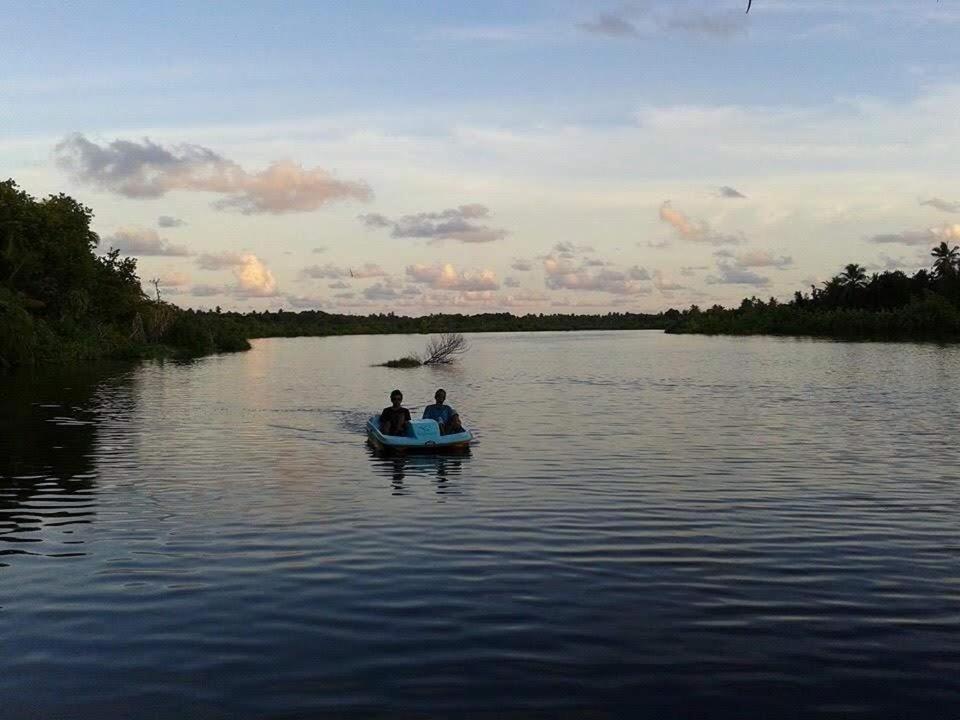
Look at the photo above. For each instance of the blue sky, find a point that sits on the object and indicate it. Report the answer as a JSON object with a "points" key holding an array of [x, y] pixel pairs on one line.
{"points": [[536, 156]]}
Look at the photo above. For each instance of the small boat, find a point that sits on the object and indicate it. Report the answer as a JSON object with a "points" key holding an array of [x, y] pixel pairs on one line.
{"points": [[422, 435]]}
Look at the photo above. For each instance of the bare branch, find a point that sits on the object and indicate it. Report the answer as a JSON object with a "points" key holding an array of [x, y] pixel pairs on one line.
{"points": [[445, 349]]}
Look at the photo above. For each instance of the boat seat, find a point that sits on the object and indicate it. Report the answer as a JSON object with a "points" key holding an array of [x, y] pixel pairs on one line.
{"points": [[425, 429]]}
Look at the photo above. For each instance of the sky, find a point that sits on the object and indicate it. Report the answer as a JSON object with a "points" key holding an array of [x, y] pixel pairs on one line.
{"points": [[444, 156]]}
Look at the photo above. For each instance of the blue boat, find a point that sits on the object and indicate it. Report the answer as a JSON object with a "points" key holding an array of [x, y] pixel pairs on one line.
{"points": [[422, 436]]}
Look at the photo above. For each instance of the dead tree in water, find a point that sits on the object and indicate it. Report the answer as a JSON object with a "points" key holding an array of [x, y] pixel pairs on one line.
{"points": [[445, 349]]}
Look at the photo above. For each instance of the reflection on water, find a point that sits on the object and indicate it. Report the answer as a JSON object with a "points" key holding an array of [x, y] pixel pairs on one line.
{"points": [[650, 525], [443, 469]]}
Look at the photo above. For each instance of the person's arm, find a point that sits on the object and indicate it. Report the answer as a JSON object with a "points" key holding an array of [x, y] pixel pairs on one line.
{"points": [[383, 420], [406, 418]]}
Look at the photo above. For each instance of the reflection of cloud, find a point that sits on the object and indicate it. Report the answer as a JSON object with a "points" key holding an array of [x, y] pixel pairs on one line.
{"points": [[446, 277], [168, 221], [146, 170], [930, 236], [143, 242], [451, 224], [944, 205], [695, 231]]}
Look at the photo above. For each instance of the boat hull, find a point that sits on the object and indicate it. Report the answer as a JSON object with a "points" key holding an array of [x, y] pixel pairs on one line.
{"points": [[422, 436]]}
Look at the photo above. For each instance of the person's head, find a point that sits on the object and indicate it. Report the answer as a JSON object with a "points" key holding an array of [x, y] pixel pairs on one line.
{"points": [[440, 395], [396, 397]]}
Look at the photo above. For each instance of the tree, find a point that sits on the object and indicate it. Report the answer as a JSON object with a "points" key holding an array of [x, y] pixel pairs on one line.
{"points": [[853, 276], [947, 259]]}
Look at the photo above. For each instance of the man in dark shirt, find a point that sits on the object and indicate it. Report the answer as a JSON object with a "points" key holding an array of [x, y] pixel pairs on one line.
{"points": [[394, 419], [446, 416]]}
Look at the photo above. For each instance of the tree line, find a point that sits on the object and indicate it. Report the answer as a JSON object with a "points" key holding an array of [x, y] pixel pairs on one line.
{"points": [[886, 305], [60, 301]]}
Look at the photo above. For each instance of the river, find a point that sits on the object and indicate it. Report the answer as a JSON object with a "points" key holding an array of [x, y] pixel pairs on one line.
{"points": [[667, 525]]}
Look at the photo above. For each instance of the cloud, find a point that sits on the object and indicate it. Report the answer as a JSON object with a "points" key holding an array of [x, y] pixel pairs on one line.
{"points": [[333, 272], [522, 265], [725, 191], [732, 275], [695, 231], [706, 23], [511, 282], [168, 221], [219, 261], [664, 284], [206, 290], [610, 25], [149, 170], [254, 278], [692, 270], [446, 277], [763, 258], [930, 236], [634, 22], [657, 245], [381, 291], [339, 285], [562, 274], [174, 279], [318, 250], [943, 205], [451, 224], [568, 249], [143, 242]]}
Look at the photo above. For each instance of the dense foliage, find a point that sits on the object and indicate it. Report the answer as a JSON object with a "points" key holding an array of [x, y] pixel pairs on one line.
{"points": [[888, 305], [315, 322], [60, 301]]}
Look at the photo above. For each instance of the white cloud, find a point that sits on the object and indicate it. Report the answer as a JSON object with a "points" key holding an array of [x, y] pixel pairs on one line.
{"points": [[254, 278], [446, 277]]}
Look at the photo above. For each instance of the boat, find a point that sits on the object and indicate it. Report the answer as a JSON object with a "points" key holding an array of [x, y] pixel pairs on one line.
{"points": [[422, 436]]}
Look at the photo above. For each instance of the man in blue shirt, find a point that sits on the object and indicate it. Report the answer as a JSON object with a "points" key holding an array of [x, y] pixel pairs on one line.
{"points": [[446, 416]]}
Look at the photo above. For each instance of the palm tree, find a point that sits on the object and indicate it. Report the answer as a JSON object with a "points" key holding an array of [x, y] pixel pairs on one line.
{"points": [[853, 276], [947, 259]]}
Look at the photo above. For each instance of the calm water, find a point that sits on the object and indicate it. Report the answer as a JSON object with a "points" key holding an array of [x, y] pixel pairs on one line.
{"points": [[669, 525]]}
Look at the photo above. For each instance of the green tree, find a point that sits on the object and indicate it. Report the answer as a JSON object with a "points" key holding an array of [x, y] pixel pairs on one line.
{"points": [[946, 260]]}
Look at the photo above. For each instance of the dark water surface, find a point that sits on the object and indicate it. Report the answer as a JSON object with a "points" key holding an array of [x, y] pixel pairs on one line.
{"points": [[674, 526]]}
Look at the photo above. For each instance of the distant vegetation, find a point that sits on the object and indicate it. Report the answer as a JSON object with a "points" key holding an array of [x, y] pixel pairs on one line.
{"points": [[61, 302], [888, 305]]}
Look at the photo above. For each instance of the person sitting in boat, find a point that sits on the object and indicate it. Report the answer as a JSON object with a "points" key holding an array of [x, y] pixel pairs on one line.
{"points": [[446, 416], [395, 419]]}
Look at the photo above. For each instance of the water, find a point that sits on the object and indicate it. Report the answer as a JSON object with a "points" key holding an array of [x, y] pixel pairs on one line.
{"points": [[667, 525]]}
